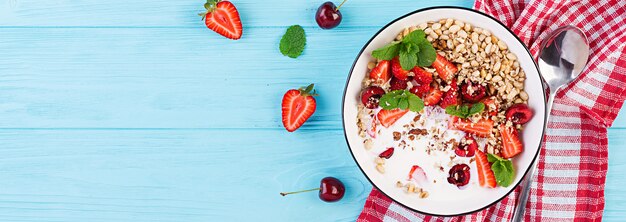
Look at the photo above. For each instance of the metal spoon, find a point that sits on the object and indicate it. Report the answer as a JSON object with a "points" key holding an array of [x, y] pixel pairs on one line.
{"points": [[562, 58]]}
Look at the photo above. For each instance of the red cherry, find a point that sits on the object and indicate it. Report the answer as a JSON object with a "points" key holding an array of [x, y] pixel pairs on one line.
{"points": [[371, 96], [477, 93], [459, 175], [519, 113], [397, 84], [328, 16], [466, 150], [387, 153], [331, 190]]}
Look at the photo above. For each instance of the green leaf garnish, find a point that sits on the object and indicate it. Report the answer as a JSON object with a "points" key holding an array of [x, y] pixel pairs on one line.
{"points": [[465, 111], [293, 41], [407, 60], [414, 49], [502, 169], [387, 52], [427, 54], [402, 99]]}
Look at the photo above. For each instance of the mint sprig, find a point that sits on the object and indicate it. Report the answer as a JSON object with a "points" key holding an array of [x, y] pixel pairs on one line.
{"points": [[293, 41], [502, 170], [402, 99], [465, 111], [413, 50]]}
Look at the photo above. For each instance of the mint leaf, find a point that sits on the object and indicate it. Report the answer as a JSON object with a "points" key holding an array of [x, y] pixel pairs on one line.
{"points": [[465, 111], [402, 99], [426, 54], [403, 104], [407, 60], [415, 37], [476, 108], [387, 52], [293, 41], [502, 169], [414, 49], [460, 111], [415, 103]]}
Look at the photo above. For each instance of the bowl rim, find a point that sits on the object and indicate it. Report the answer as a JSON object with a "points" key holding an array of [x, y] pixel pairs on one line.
{"points": [[343, 104]]}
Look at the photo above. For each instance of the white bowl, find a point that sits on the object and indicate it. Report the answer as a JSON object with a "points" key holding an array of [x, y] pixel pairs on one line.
{"points": [[451, 204]]}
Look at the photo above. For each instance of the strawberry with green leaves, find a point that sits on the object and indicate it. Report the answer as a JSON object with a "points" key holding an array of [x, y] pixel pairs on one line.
{"points": [[223, 18], [298, 105]]}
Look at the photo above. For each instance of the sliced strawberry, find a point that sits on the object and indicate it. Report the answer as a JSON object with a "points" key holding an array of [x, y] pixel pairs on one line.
{"points": [[298, 105], [387, 153], [222, 18], [397, 71], [482, 128], [417, 174], [421, 76], [433, 97], [388, 117], [380, 73], [420, 90], [485, 174], [511, 144], [445, 68], [451, 97], [491, 106]]}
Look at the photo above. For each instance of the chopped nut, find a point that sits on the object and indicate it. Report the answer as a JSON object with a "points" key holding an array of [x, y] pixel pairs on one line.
{"points": [[380, 168], [424, 194], [397, 136], [371, 65], [368, 144], [379, 161]]}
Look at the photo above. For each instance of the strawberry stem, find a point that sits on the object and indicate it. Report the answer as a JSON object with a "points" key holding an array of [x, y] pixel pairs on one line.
{"points": [[308, 91], [302, 191], [337, 9]]}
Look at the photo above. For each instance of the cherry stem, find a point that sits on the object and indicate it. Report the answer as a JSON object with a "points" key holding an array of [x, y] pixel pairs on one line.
{"points": [[337, 9], [302, 191]]}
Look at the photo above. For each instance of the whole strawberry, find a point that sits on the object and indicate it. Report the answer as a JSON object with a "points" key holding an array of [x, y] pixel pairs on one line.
{"points": [[223, 18], [298, 106]]}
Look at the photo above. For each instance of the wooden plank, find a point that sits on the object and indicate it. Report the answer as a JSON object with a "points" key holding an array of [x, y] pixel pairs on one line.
{"points": [[118, 78], [174, 175], [615, 205], [163, 13], [195, 175]]}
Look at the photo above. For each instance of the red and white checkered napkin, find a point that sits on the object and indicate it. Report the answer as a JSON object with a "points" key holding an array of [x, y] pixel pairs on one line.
{"points": [[573, 162]]}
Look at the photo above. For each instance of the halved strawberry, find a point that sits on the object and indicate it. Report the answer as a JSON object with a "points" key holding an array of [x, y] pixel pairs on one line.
{"points": [[421, 76], [223, 18], [445, 68], [298, 105], [451, 97], [388, 117], [380, 73], [397, 71], [433, 97], [511, 144], [485, 174], [482, 128]]}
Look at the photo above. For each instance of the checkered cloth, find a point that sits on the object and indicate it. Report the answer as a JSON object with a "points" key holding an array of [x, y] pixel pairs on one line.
{"points": [[573, 163]]}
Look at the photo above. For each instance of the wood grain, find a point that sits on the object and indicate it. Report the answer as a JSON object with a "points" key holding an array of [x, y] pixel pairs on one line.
{"points": [[174, 175], [164, 13]]}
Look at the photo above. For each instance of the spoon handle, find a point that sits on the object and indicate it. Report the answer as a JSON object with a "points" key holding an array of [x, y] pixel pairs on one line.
{"points": [[523, 197]]}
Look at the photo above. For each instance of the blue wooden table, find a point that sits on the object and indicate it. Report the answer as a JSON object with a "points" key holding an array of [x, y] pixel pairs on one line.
{"points": [[133, 111]]}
